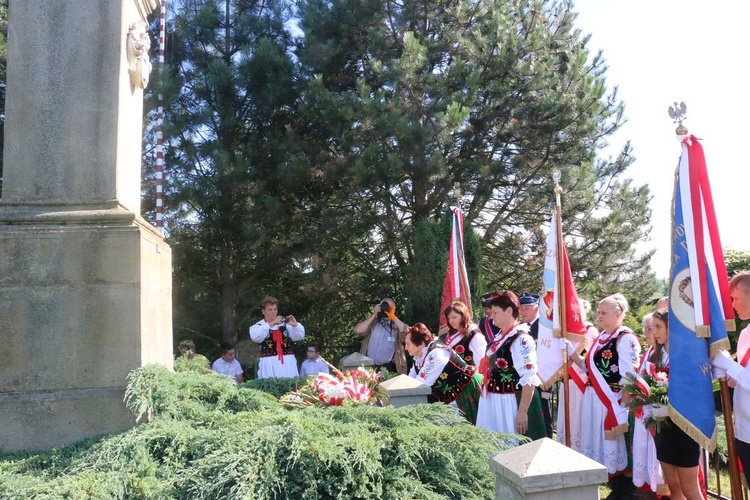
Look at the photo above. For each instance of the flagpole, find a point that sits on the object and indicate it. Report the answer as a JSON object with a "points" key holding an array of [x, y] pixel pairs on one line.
{"points": [[561, 299], [734, 471]]}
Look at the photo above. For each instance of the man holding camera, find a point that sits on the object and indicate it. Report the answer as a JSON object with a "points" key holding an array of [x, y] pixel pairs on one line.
{"points": [[275, 334], [383, 340]]}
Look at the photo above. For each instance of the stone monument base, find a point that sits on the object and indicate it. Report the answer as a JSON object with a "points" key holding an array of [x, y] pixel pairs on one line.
{"points": [[85, 297]]}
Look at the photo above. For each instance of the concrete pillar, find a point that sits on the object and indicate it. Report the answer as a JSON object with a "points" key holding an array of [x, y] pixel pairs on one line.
{"points": [[546, 469], [355, 360], [85, 282], [403, 390]]}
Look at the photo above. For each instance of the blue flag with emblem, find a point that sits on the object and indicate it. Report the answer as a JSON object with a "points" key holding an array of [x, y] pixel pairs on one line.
{"points": [[699, 304]]}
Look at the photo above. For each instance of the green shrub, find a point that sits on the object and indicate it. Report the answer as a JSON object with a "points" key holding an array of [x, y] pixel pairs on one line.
{"points": [[211, 439], [277, 387]]}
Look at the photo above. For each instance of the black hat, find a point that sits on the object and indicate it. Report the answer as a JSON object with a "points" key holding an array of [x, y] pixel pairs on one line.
{"points": [[486, 298], [528, 299]]}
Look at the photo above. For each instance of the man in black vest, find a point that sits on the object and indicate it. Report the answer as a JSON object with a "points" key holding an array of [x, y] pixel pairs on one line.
{"points": [[529, 310]]}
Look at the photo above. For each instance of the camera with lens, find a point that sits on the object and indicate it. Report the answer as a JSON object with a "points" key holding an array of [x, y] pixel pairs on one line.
{"points": [[285, 320], [384, 308]]}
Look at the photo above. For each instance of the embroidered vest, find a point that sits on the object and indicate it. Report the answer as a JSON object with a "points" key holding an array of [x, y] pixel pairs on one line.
{"points": [[268, 346], [606, 358], [462, 348], [453, 380], [503, 377]]}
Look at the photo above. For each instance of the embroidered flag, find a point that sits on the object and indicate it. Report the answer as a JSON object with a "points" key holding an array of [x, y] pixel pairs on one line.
{"points": [[549, 354], [699, 304], [456, 282]]}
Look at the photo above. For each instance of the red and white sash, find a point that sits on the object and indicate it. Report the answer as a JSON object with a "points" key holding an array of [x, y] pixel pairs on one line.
{"points": [[616, 420]]}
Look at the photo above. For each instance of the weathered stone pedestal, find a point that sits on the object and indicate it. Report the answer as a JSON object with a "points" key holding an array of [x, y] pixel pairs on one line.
{"points": [[355, 360], [403, 390], [545, 469], [85, 283]]}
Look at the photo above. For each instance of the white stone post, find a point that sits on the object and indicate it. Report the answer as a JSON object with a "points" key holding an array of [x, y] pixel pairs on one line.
{"points": [[546, 470], [403, 390], [85, 282]]}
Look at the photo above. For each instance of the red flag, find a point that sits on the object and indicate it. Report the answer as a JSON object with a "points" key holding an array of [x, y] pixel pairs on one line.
{"points": [[549, 355], [456, 282]]}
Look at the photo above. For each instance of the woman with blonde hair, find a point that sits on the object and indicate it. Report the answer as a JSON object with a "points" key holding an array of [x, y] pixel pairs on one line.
{"points": [[615, 353]]}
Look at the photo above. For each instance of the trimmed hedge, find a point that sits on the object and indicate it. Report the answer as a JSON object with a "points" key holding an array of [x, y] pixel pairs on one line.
{"points": [[208, 438]]}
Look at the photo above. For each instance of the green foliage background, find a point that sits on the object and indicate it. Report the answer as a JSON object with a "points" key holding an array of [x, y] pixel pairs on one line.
{"points": [[209, 439], [313, 150]]}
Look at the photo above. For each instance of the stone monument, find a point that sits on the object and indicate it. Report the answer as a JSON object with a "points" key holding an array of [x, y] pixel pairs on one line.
{"points": [[545, 469], [85, 282]]}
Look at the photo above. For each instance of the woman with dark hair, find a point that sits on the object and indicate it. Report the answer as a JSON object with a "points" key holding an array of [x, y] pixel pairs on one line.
{"points": [[647, 472], [463, 335], [677, 452], [440, 367], [508, 402]]}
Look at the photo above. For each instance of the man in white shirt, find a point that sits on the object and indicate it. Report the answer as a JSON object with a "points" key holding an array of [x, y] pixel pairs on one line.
{"points": [[313, 364], [737, 372], [227, 365]]}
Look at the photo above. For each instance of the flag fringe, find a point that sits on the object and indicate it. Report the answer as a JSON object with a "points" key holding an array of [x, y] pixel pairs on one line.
{"points": [[557, 333], [730, 325], [695, 434], [616, 431], [703, 331], [719, 345]]}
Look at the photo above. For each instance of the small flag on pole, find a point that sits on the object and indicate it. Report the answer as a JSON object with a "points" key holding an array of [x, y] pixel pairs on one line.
{"points": [[549, 355], [699, 306], [456, 282]]}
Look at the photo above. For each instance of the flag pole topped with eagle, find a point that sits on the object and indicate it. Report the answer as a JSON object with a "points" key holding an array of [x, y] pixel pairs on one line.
{"points": [[700, 308], [456, 281]]}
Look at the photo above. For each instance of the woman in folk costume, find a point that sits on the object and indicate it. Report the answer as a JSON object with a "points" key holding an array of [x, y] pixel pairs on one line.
{"points": [[508, 402], [577, 385], [462, 335], [275, 334], [647, 471], [605, 429], [440, 367], [677, 452]]}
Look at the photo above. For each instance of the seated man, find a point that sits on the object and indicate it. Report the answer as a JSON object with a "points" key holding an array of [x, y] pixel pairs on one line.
{"points": [[187, 348], [275, 334], [227, 365], [313, 364]]}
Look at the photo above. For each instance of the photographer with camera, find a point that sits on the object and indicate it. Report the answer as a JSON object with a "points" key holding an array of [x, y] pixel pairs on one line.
{"points": [[275, 334], [383, 340]]}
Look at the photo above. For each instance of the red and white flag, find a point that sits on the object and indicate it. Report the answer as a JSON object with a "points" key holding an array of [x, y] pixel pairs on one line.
{"points": [[549, 354], [456, 282]]}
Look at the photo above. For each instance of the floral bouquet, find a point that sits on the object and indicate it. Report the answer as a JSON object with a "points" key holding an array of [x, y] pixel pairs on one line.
{"points": [[356, 386], [649, 398]]}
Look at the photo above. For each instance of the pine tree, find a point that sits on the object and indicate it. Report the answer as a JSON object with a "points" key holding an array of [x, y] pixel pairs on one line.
{"points": [[229, 94], [417, 96]]}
